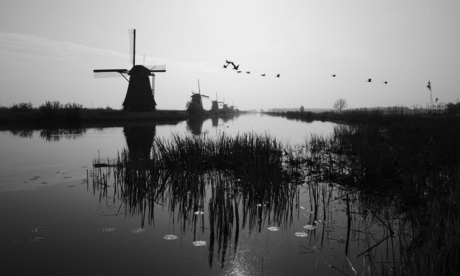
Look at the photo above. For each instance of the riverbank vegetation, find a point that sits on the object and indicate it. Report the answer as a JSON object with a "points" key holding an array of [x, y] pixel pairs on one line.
{"points": [[72, 113]]}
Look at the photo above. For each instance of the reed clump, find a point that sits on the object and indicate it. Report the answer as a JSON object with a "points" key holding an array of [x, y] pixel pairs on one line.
{"points": [[415, 165]]}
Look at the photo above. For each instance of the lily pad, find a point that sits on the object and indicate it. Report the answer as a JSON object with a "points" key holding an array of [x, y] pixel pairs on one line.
{"points": [[37, 229], [137, 230], [199, 213], [199, 243], [309, 227], [301, 234], [273, 228], [170, 237], [37, 239], [108, 229]]}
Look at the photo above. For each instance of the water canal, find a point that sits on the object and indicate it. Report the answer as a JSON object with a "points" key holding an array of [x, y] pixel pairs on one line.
{"points": [[63, 216]]}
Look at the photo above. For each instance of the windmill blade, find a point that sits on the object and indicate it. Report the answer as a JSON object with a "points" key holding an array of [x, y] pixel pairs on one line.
{"points": [[205, 96], [109, 73], [132, 45], [156, 68]]}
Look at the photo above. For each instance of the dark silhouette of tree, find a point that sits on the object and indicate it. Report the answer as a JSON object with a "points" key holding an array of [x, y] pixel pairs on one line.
{"points": [[340, 104]]}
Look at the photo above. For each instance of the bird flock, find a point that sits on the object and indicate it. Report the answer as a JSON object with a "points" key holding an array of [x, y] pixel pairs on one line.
{"points": [[236, 67], [368, 80]]}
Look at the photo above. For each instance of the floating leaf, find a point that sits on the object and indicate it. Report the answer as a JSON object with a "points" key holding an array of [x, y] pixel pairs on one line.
{"points": [[37, 239], [108, 229], [309, 227], [137, 230], [199, 243], [301, 234], [170, 237], [199, 212], [273, 228], [37, 229]]}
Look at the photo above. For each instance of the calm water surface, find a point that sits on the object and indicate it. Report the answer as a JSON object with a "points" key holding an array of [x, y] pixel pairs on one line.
{"points": [[57, 220]]}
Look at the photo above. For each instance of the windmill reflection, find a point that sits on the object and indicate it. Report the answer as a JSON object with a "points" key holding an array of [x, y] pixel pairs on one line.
{"points": [[139, 139], [195, 124]]}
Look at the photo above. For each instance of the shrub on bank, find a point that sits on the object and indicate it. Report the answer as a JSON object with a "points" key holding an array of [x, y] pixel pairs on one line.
{"points": [[57, 112], [22, 107]]}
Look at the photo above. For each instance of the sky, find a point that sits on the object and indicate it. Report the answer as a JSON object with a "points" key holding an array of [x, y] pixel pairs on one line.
{"points": [[49, 49]]}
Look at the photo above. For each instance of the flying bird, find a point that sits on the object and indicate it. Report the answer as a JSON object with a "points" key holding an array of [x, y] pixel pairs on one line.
{"points": [[248, 72], [369, 80], [228, 62], [263, 75], [235, 67], [278, 75], [436, 100], [385, 82], [225, 66], [333, 76], [238, 72]]}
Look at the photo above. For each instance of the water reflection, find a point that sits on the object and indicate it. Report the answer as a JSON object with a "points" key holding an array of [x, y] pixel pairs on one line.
{"points": [[56, 134], [195, 125]]}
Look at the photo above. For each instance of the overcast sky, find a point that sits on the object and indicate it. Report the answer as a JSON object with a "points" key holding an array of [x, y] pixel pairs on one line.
{"points": [[49, 48]]}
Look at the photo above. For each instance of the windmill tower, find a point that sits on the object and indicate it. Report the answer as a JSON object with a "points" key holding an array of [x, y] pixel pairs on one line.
{"points": [[140, 95], [197, 98]]}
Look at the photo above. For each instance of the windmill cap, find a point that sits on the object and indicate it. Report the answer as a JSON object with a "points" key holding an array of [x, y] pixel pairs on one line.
{"points": [[141, 70]]}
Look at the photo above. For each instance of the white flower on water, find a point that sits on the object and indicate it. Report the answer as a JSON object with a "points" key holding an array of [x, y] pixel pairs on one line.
{"points": [[309, 227], [137, 230], [273, 228], [108, 229], [301, 234], [199, 243], [170, 237]]}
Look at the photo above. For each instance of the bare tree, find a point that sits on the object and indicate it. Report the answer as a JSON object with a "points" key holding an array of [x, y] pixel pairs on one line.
{"points": [[340, 104]]}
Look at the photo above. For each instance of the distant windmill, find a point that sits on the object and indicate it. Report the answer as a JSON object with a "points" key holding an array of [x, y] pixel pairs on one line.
{"points": [[140, 94], [215, 105], [232, 107], [197, 97]]}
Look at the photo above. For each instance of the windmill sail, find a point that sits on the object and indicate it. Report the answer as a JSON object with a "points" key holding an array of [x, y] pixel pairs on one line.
{"points": [[132, 46]]}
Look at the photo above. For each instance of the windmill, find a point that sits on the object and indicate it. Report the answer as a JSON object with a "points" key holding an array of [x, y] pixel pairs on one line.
{"points": [[197, 97], [140, 94], [215, 105], [232, 107]]}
